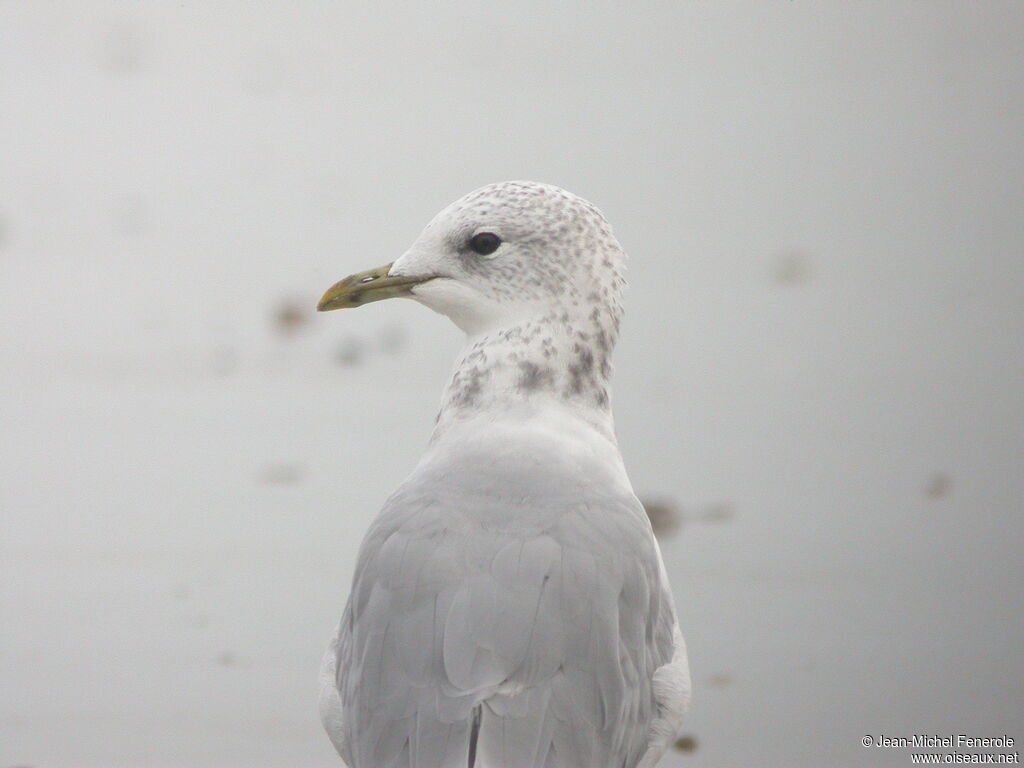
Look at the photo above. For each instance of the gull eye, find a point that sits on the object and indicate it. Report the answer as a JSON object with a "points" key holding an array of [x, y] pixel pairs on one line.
{"points": [[485, 243]]}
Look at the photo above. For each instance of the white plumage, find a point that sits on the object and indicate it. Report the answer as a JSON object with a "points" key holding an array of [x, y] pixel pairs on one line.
{"points": [[510, 608]]}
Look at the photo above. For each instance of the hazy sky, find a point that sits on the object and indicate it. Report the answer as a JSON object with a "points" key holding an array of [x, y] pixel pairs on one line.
{"points": [[821, 367]]}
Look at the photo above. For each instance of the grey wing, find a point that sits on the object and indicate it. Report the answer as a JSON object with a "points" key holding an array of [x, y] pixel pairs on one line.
{"points": [[672, 688], [332, 711], [552, 634]]}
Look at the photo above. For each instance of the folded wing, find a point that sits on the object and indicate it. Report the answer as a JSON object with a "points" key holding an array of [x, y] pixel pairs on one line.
{"points": [[551, 625]]}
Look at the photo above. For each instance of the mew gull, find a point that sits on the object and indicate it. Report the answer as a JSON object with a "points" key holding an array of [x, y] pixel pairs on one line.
{"points": [[510, 607]]}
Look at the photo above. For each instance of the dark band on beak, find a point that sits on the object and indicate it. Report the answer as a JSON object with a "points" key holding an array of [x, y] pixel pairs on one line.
{"points": [[366, 287]]}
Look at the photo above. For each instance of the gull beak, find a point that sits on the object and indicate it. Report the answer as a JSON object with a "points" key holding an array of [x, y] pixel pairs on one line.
{"points": [[365, 287]]}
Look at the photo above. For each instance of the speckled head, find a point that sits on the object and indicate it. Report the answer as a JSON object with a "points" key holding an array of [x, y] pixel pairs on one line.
{"points": [[533, 275], [503, 254]]}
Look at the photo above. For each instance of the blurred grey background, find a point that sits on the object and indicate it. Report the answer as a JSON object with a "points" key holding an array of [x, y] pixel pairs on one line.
{"points": [[818, 389]]}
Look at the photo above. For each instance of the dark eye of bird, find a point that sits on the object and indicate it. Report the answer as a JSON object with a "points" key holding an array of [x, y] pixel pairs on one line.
{"points": [[485, 243]]}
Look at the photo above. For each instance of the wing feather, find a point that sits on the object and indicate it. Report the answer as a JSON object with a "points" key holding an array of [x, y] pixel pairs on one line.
{"points": [[559, 628]]}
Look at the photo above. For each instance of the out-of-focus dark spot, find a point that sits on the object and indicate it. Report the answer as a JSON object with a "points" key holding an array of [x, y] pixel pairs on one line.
{"points": [[792, 267], [123, 49], [290, 317], [232, 660], [718, 513], [392, 338], [224, 361], [281, 474], [263, 73], [348, 351], [3, 230], [130, 215], [686, 743], [938, 486], [198, 620], [181, 591], [664, 515], [720, 680]]}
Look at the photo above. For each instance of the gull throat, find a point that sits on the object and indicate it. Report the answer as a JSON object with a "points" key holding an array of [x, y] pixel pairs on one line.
{"points": [[559, 360]]}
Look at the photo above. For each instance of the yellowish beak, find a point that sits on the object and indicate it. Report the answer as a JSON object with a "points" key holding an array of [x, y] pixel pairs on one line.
{"points": [[365, 287]]}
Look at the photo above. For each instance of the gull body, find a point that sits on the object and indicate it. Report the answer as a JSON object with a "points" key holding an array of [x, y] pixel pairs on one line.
{"points": [[510, 607]]}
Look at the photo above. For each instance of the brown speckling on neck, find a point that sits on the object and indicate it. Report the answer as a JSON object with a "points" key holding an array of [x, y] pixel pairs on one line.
{"points": [[548, 303], [566, 360], [534, 376]]}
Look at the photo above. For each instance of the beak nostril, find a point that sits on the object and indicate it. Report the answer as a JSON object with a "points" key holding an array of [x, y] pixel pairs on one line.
{"points": [[365, 287]]}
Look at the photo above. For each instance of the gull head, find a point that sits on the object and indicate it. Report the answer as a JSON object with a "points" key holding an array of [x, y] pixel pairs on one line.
{"points": [[505, 254]]}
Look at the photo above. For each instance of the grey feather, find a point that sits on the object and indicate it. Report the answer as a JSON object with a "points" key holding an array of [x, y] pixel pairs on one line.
{"points": [[555, 628]]}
